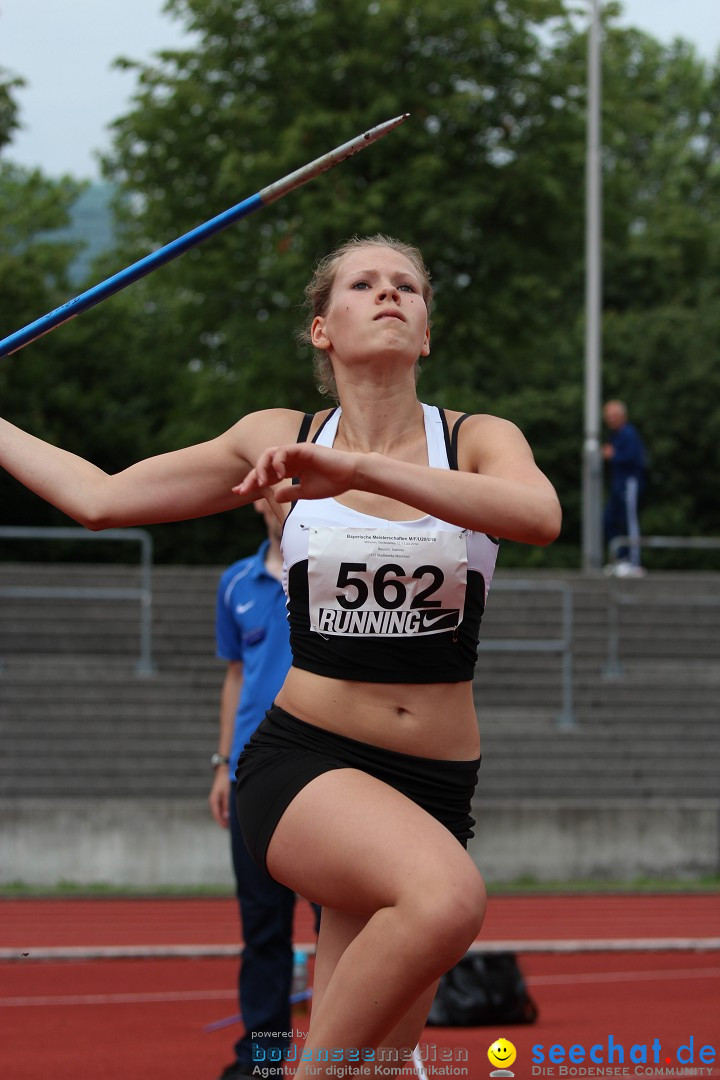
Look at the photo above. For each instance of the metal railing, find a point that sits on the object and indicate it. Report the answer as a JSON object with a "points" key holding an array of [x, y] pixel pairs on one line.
{"points": [[617, 598], [562, 645], [143, 593]]}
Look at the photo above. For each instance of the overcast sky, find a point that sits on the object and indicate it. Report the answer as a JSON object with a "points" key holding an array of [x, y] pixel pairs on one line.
{"points": [[64, 50]]}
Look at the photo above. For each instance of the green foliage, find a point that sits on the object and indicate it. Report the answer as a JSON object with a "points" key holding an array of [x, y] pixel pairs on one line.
{"points": [[9, 121]]}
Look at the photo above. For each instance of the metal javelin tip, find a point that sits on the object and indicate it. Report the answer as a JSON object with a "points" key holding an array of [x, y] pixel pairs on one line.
{"points": [[382, 129], [327, 161]]}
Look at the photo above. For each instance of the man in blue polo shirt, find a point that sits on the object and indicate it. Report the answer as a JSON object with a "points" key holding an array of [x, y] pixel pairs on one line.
{"points": [[252, 635]]}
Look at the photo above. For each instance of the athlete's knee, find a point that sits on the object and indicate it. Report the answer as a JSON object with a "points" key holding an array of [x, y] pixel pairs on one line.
{"points": [[467, 905], [451, 914]]}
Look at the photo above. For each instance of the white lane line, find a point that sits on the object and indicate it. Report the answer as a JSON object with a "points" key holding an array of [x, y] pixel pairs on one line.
{"points": [[621, 976]]}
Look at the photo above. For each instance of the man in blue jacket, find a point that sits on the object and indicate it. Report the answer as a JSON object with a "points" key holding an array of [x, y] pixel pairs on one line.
{"points": [[626, 456], [252, 635]]}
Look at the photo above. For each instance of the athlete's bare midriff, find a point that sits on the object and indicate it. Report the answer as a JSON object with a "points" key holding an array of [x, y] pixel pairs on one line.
{"points": [[435, 720]]}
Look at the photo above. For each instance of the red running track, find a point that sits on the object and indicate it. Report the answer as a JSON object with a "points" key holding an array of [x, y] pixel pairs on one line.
{"points": [[136, 1019], [97, 922]]}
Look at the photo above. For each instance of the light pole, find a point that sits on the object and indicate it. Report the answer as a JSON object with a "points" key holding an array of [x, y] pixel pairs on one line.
{"points": [[592, 530]]}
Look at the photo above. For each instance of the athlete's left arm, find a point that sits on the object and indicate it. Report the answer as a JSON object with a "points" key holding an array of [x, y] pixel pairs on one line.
{"points": [[497, 469], [498, 488]]}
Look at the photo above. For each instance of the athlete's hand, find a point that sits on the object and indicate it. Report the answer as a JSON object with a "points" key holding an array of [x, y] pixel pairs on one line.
{"points": [[322, 473]]}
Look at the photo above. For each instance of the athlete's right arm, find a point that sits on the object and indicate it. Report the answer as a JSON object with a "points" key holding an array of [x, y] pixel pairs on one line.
{"points": [[188, 483]]}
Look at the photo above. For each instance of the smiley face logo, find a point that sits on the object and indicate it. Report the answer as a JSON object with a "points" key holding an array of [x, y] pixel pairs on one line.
{"points": [[502, 1054]]}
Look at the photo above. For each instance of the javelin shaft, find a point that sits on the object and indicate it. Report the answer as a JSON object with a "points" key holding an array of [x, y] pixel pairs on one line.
{"points": [[158, 258]]}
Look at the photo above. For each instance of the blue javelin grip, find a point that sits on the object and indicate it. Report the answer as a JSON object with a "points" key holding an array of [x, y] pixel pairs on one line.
{"points": [[151, 262]]}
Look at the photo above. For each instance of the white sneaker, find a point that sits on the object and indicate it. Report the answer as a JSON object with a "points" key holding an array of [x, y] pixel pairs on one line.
{"points": [[628, 569]]}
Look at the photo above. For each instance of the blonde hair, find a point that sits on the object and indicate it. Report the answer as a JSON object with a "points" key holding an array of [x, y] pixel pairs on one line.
{"points": [[319, 290]]}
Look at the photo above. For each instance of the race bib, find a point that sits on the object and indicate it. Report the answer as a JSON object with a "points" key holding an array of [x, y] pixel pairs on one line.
{"points": [[384, 584]]}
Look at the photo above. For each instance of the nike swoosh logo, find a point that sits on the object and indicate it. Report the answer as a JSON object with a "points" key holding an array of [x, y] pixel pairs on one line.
{"points": [[242, 608], [430, 620]]}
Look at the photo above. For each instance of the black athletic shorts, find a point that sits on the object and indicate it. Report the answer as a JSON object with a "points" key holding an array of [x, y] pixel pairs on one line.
{"points": [[285, 754]]}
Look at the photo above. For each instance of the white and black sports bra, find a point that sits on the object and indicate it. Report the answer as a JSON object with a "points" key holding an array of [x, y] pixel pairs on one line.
{"points": [[372, 600]]}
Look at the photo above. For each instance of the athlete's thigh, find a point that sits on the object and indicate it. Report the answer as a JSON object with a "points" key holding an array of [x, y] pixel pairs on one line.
{"points": [[355, 844]]}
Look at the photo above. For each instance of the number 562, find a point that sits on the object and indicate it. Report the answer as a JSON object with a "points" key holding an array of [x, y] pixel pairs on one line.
{"points": [[388, 588]]}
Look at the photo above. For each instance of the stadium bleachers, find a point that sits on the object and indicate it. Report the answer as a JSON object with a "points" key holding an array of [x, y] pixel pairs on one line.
{"points": [[74, 710]]}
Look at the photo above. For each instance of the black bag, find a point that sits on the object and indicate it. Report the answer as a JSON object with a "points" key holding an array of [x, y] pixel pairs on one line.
{"points": [[482, 989]]}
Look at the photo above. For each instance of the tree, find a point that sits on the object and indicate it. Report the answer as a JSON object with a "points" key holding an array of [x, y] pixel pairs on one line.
{"points": [[9, 121]]}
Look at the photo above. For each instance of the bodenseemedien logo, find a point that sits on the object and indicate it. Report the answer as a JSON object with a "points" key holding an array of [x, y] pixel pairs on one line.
{"points": [[363, 1063]]}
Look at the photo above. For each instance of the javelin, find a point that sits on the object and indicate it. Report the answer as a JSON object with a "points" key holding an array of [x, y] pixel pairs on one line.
{"points": [[151, 262]]}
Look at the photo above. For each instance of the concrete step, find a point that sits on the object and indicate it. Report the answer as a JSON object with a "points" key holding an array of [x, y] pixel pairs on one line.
{"points": [[571, 788], [99, 784]]}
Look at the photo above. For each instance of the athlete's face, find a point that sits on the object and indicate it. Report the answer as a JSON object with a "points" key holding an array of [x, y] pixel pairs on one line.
{"points": [[376, 308]]}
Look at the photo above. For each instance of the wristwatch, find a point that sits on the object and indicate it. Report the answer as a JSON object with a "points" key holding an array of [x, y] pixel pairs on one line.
{"points": [[219, 759]]}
